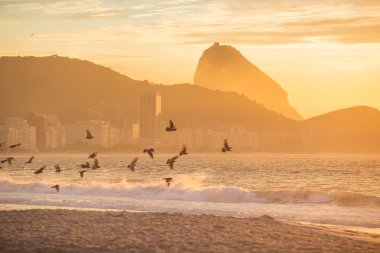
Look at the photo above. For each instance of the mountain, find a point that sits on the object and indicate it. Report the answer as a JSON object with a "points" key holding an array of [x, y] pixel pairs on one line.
{"points": [[224, 68], [80, 90], [351, 129]]}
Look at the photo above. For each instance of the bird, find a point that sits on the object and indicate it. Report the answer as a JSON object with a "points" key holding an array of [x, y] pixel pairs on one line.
{"points": [[168, 180], [57, 168], [9, 160], [132, 165], [81, 172], [40, 170], [226, 147], [95, 165], [89, 135], [183, 151], [149, 151], [171, 161], [30, 160], [85, 165], [15, 145], [93, 155], [56, 187], [171, 127]]}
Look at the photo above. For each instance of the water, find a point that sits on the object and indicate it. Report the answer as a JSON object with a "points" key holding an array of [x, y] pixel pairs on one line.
{"points": [[324, 189]]}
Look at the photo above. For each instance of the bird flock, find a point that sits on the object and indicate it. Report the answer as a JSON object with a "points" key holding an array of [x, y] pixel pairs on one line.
{"points": [[95, 165]]}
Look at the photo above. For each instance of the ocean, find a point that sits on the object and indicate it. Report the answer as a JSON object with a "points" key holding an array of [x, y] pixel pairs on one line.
{"points": [[329, 189]]}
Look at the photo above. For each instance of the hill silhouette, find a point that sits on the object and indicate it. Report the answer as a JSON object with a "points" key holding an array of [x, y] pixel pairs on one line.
{"points": [[80, 90], [351, 129], [224, 68]]}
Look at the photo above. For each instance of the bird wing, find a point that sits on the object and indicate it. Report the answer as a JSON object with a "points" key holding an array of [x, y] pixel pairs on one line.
{"points": [[174, 158], [134, 161], [225, 143], [171, 124]]}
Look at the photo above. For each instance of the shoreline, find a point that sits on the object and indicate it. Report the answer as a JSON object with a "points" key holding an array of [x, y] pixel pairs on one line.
{"points": [[370, 231], [54, 230]]}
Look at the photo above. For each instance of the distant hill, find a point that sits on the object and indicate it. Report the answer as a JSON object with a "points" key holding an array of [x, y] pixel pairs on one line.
{"points": [[80, 90], [224, 68], [351, 129]]}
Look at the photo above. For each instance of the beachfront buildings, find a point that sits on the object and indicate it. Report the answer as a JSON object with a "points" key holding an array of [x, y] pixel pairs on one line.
{"points": [[104, 134], [15, 130], [149, 118]]}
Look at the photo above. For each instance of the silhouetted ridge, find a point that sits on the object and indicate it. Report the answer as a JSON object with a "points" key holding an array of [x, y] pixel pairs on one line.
{"points": [[81, 90], [351, 129], [225, 68]]}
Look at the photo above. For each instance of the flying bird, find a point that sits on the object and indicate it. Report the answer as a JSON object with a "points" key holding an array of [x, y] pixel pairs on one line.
{"points": [[95, 165], [89, 135], [171, 161], [56, 187], [40, 170], [149, 151], [171, 127], [15, 145], [93, 155], [81, 172], [85, 165], [132, 165], [9, 160], [57, 168], [168, 180], [183, 151], [226, 147], [30, 160]]}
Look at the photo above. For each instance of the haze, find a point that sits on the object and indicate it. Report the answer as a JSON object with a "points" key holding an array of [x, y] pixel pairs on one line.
{"points": [[325, 54]]}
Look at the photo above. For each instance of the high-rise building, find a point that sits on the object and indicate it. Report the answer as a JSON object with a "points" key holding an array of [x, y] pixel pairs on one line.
{"points": [[39, 122], [150, 111], [16, 130], [130, 132], [55, 132], [75, 133]]}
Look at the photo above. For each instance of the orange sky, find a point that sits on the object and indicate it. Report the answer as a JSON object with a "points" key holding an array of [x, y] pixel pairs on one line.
{"points": [[325, 54]]}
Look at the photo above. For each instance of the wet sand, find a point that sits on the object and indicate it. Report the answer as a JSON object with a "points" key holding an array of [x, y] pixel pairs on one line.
{"points": [[95, 231]]}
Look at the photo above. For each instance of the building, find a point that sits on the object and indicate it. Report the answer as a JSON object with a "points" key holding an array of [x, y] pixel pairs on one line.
{"points": [[16, 130], [39, 122], [55, 132], [104, 134], [149, 117], [130, 132]]}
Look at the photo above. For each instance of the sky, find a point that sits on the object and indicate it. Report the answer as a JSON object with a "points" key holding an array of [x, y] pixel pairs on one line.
{"points": [[325, 54]]}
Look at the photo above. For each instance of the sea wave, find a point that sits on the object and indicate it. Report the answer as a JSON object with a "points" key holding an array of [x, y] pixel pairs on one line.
{"points": [[183, 192]]}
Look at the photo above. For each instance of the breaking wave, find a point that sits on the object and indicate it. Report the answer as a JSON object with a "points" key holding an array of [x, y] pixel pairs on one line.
{"points": [[182, 192]]}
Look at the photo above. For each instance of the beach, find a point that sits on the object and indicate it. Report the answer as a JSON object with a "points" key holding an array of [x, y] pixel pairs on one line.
{"points": [[59, 230]]}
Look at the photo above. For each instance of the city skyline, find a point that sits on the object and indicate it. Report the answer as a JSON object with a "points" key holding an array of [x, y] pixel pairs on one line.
{"points": [[312, 50]]}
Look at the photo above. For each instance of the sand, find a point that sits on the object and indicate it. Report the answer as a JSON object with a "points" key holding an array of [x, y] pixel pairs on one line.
{"points": [[96, 231]]}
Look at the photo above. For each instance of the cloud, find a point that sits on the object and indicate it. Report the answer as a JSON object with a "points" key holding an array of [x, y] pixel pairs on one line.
{"points": [[202, 22], [286, 24]]}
